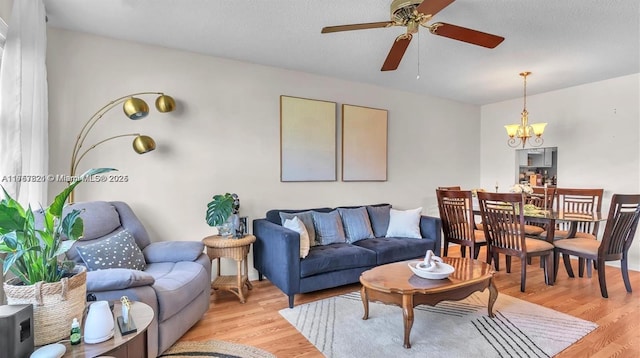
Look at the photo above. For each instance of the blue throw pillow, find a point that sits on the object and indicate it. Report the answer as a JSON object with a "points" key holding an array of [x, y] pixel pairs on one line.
{"points": [[328, 227], [379, 217], [118, 251], [307, 219], [356, 224]]}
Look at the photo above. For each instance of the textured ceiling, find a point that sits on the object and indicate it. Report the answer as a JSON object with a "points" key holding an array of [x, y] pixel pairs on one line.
{"points": [[564, 43]]}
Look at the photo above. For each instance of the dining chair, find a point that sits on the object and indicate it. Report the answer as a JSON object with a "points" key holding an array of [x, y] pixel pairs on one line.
{"points": [[618, 235], [578, 200], [503, 217], [543, 198], [449, 188], [458, 222]]}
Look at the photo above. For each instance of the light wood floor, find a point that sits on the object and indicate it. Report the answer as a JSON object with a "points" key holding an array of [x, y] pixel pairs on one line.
{"points": [[258, 323]]}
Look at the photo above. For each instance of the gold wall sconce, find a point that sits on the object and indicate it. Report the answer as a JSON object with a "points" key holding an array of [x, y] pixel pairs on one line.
{"points": [[134, 108]]}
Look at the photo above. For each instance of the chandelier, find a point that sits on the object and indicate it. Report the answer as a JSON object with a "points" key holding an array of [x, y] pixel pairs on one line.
{"points": [[523, 132]]}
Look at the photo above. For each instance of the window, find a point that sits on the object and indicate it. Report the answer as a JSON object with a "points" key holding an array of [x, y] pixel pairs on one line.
{"points": [[3, 37]]}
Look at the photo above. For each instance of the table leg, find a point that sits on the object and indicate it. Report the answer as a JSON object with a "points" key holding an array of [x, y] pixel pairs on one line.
{"points": [[551, 230], [407, 315], [246, 272], [573, 228], [365, 302], [493, 296], [240, 285]]}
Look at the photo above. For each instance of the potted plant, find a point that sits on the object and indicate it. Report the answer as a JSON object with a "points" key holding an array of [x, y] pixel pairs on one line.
{"points": [[55, 288], [222, 213]]}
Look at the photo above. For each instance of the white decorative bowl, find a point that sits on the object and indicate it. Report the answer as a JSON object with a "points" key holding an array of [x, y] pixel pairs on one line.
{"points": [[442, 270]]}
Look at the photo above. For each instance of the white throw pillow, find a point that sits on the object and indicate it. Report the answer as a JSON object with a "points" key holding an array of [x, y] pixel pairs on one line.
{"points": [[404, 223], [297, 225]]}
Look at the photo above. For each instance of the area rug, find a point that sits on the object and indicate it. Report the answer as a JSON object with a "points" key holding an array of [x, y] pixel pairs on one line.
{"points": [[450, 329], [215, 348]]}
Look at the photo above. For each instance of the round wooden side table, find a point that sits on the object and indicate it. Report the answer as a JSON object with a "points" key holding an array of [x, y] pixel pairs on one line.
{"points": [[131, 345], [236, 249]]}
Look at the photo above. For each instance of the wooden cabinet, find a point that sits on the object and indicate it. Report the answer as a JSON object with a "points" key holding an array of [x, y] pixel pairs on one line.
{"points": [[523, 158], [547, 159]]}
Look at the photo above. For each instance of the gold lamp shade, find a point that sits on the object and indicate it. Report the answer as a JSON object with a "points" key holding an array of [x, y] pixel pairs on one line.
{"points": [[143, 144], [135, 108], [165, 103]]}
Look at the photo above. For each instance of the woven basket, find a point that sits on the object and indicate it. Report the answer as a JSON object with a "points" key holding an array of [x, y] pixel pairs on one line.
{"points": [[55, 305]]}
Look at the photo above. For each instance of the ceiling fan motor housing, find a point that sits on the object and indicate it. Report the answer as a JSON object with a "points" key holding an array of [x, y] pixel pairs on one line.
{"points": [[403, 10]]}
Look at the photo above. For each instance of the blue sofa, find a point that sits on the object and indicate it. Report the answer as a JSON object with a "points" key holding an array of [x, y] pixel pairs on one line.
{"points": [[276, 254]]}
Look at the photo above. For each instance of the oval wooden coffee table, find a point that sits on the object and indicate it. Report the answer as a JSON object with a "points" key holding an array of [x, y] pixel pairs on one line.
{"points": [[396, 284]]}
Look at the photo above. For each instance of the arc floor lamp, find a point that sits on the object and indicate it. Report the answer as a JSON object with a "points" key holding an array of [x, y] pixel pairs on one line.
{"points": [[134, 108]]}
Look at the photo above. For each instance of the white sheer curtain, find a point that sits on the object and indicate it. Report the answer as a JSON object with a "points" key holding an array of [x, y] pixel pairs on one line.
{"points": [[3, 37], [23, 104]]}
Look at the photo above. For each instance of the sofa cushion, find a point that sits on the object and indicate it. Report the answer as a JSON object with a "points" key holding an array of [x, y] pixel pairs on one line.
{"points": [[117, 251], [335, 257], [391, 249], [173, 251], [379, 217], [176, 285], [274, 214], [296, 225], [307, 219], [356, 224], [117, 279], [328, 226], [404, 223]]}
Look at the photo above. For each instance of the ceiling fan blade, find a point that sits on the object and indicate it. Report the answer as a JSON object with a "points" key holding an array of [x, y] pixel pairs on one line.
{"points": [[466, 35], [397, 51], [369, 25], [432, 7]]}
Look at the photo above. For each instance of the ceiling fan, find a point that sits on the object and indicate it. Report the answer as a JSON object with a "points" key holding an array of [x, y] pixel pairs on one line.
{"points": [[413, 13]]}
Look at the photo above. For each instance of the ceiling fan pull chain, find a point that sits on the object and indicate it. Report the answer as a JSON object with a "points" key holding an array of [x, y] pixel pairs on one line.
{"points": [[418, 76]]}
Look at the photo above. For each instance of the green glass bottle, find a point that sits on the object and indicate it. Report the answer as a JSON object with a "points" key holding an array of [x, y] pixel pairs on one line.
{"points": [[75, 332]]}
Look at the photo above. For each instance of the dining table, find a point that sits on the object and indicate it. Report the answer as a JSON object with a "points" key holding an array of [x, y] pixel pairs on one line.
{"points": [[550, 217]]}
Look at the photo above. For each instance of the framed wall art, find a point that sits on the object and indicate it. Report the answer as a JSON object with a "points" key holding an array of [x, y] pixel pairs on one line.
{"points": [[307, 140], [364, 143]]}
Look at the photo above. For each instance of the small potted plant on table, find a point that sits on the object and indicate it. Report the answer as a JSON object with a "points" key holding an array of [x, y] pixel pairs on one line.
{"points": [[222, 213]]}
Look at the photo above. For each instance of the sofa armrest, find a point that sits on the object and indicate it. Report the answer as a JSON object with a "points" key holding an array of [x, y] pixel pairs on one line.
{"points": [[173, 251], [117, 279], [431, 228], [276, 254]]}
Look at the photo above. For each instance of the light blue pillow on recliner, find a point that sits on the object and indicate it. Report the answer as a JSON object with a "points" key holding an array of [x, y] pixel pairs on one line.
{"points": [[356, 224], [118, 251]]}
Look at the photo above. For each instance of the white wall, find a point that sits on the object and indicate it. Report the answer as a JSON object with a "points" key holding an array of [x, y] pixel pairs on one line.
{"points": [[5, 9], [596, 128], [225, 135]]}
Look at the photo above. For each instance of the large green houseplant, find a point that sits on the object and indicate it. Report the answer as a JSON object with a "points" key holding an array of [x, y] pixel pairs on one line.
{"points": [[32, 253], [33, 250], [220, 210]]}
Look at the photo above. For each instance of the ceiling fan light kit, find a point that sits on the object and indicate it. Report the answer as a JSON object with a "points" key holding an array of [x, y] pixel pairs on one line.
{"points": [[520, 134], [415, 13]]}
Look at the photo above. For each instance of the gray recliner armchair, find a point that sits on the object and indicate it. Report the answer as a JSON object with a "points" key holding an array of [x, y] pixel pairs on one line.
{"points": [[174, 277]]}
